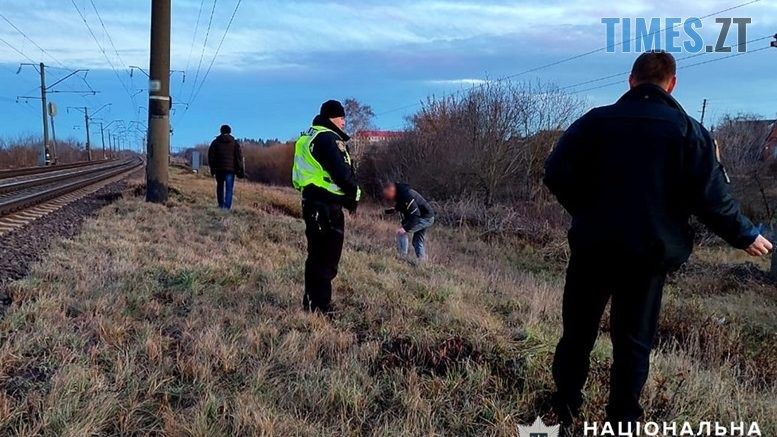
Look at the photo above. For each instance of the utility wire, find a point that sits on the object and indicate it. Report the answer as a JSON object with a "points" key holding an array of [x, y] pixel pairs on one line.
{"points": [[108, 34], [46, 52], [194, 35], [30, 40], [105, 55], [202, 54], [621, 74], [218, 50], [572, 58], [17, 51], [683, 67]]}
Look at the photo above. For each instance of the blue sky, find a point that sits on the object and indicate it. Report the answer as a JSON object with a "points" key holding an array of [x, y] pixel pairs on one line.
{"points": [[282, 58]]}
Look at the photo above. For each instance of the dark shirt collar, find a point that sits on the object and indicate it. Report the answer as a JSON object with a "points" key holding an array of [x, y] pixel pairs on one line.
{"points": [[653, 93], [327, 123]]}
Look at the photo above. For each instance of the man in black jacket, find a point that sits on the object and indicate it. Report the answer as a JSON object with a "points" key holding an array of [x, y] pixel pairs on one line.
{"points": [[631, 174], [225, 159], [417, 217], [325, 174]]}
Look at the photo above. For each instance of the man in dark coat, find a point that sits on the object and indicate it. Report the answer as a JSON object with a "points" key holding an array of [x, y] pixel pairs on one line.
{"points": [[225, 159], [324, 172], [631, 175], [417, 217]]}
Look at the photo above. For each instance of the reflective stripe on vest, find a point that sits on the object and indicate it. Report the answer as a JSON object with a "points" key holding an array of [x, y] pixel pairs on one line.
{"points": [[308, 171]]}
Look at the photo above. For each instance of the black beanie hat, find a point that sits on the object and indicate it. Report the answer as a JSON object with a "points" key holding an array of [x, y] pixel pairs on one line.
{"points": [[225, 129], [332, 109]]}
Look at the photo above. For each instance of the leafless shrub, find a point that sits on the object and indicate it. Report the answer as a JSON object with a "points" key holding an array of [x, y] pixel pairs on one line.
{"points": [[490, 143], [742, 140], [540, 224], [23, 152], [269, 165]]}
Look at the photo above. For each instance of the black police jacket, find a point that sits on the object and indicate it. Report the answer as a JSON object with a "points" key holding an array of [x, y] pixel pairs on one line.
{"points": [[631, 174], [329, 149], [412, 206]]}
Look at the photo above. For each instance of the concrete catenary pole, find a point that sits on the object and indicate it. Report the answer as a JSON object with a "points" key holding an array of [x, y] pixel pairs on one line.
{"points": [[88, 137], [53, 149], [102, 137], [157, 171], [110, 146], [42, 160]]}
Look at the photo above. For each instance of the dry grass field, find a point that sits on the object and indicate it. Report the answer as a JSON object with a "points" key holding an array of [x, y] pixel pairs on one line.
{"points": [[184, 320]]}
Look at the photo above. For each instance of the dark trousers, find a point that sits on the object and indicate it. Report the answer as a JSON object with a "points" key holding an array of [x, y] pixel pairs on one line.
{"points": [[225, 187], [325, 231], [592, 280]]}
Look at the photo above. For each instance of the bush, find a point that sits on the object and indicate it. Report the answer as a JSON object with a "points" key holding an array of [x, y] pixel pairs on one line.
{"points": [[23, 152], [269, 165], [491, 143]]}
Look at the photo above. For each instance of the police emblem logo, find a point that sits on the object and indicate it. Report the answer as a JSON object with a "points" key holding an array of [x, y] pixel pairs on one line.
{"points": [[539, 429], [341, 145]]}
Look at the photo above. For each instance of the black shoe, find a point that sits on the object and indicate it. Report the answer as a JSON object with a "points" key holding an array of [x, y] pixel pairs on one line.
{"points": [[566, 410]]}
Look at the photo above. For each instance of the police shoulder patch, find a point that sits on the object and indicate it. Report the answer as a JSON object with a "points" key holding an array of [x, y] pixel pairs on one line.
{"points": [[341, 145]]}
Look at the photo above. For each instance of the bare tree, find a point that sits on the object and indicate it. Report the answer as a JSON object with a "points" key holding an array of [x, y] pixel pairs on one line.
{"points": [[490, 142], [358, 117], [742, 139]]}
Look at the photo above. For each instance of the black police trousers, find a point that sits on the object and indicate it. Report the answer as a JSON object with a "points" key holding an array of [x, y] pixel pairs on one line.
{"points": [[325, 231], [635, 290]]}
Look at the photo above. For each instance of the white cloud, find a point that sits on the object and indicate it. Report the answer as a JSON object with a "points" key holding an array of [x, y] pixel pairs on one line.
{"points": [[458, 82], [271, 33]]}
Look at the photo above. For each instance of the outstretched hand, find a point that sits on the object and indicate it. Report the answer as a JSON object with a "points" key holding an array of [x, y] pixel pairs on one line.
{"points": [[760, 247]]}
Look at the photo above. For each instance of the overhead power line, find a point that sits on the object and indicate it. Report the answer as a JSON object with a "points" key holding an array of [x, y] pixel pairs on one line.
{"points": [[21, 53], [218, 50], [571, 58], [107, 34], [623, 73], [105, 55], [44, 51], [194, 35], [682, 67], [202, 54]]}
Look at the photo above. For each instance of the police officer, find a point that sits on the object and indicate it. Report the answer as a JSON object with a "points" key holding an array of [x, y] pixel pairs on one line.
{"points": [[324, 172], [631, 174]]}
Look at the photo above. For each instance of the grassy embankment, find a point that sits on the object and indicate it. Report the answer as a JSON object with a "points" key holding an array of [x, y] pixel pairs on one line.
{"points": [[181, 319]]}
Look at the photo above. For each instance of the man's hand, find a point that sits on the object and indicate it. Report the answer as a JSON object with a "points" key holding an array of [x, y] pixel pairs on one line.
{"points": [[401, 231], [760, 247]]}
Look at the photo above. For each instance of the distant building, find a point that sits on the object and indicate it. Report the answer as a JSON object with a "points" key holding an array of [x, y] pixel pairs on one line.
{"points": [[378, 136]]}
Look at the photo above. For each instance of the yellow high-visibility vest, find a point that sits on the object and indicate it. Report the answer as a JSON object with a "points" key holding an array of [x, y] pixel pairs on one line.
{"points": [[308, 171]]}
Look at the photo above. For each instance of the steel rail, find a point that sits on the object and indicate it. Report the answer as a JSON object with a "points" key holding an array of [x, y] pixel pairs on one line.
{"points": [[26, 171], [16, 185], [78, 182]]}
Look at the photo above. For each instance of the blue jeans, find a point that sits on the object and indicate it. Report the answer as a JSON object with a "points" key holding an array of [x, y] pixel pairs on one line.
{"points": [[419, 239], [225, 187]]}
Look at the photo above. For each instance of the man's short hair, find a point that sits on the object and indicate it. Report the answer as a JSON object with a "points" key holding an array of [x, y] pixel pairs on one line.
{"points": [[225, 129], [655, 67]]}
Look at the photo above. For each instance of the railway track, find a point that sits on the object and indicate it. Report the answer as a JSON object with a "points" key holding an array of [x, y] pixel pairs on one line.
{"points": [[27, 194]]}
